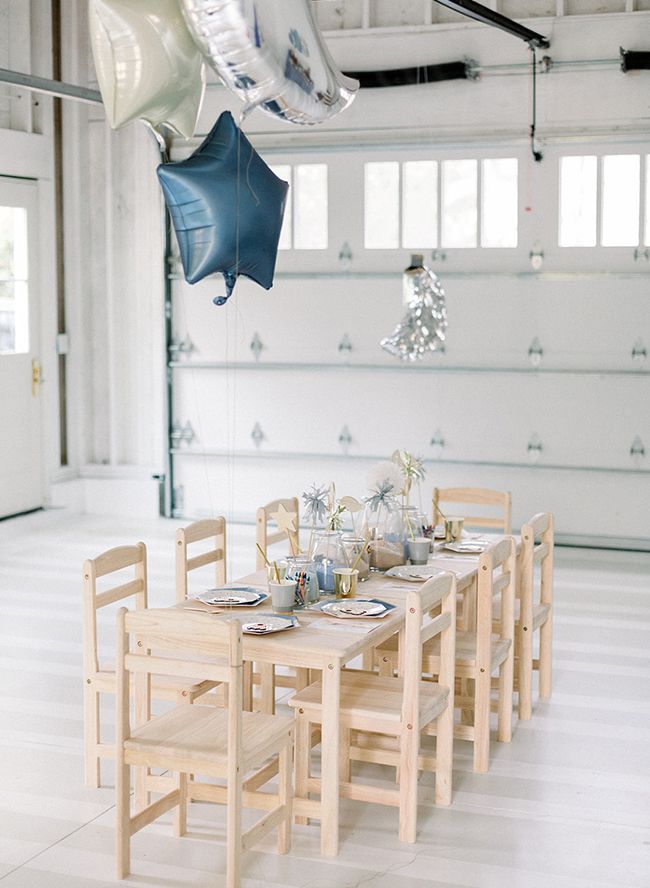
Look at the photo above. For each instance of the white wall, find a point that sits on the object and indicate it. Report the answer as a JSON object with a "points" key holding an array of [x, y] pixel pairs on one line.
{"points": [[586, 320]]}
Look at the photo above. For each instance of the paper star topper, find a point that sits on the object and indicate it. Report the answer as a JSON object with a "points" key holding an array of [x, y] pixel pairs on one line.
{"points": [[227, 207], [285, 520]]}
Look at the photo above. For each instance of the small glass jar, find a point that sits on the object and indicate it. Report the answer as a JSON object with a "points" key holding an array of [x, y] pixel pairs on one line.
{"points": [[303, 571], [402, 524], [357, 555], [328, 553]]}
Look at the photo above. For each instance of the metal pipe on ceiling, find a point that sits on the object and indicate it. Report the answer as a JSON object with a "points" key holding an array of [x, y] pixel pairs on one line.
{"points": [[58, 88]]}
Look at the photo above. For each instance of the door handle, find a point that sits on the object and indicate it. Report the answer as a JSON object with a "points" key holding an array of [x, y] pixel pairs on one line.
{"points": [[37, 376]]}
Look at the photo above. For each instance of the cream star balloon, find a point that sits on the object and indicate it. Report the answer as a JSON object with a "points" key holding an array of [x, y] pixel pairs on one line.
{"points": [[147, 64], [285, 520]]}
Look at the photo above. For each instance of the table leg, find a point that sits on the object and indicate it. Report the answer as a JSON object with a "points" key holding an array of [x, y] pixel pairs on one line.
{"points": [[329, 837]]}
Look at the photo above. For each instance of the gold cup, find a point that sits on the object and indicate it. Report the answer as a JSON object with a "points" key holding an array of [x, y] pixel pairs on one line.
{"points": [[453, 529], [345, 582]]}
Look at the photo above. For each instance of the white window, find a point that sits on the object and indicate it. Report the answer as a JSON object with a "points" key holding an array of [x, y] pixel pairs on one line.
{"points": [[621, 196], [459, 203], [14, 305], [499, 202], [424, 204], [305, 225], [578, 181], [647, 200], [420, 204], [381, 206], [609, 186]]}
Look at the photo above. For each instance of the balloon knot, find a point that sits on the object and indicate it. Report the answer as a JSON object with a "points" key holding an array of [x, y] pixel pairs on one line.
{"points": [[230, 280]]}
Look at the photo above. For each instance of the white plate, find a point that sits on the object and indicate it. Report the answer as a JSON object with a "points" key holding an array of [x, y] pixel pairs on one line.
{"points": [[413, 573], [467, 547], [233, 595], [354, 608], [266, 624]]}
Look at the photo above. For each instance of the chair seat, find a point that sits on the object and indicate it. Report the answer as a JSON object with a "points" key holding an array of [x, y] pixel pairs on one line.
{"points": [[199, 735], [163, 687], [367, 698], [540, 613], [465, 651]]}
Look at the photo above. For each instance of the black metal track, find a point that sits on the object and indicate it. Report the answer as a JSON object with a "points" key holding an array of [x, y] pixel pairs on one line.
{"points": [[487, 16], [408, 76]]}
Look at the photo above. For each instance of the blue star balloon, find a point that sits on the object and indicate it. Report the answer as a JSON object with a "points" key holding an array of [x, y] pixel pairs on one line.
{"points": [[226, 207]]}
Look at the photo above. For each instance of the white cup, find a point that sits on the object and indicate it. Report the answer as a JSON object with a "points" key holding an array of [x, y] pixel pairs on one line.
{"points": [[419, 550], [282, 595]]}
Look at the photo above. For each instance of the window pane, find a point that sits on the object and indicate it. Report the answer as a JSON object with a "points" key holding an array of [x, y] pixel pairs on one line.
{"points": [[459, 198], [14, 306], [578, 178], [499, 202], [420, 203], [620, 200], [310, 206], [283, 171], [381, 209]]}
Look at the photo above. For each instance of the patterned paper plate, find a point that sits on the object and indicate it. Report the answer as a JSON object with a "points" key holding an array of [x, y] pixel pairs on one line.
{"points": [[233, 596], [266, 624], [467, 547], [413, 573], [355, 608]]}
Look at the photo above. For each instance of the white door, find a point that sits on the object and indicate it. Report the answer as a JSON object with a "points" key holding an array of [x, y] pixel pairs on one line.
{"points": [[21, 453]]}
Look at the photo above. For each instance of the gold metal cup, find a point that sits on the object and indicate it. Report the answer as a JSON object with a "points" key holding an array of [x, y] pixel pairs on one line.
{"points": [[453, 529], [345, 582]]}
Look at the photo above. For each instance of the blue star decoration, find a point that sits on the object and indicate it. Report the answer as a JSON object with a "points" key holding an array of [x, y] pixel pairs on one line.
{"points": [[226, 206]]}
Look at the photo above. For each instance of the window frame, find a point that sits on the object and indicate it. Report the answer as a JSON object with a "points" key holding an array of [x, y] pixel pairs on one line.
{"points": [[538, 227]]}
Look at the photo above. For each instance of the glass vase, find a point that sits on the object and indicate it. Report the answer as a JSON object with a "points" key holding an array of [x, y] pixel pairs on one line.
{"points": [[357, 555], [302, 569], [328, 553]]}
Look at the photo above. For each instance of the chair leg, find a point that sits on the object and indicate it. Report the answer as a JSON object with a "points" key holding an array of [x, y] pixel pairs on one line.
{"points": [[345, 765], [408, 785], [180, 812], [141, 795], [91, 737], [482, 722], [247, 701], [123, 820], [285, 798], [504, 706], [467, 690], [267, 685], [233, 831], [546, 657], [525, 673], [386, 666], [444, 755], [302, 757]]}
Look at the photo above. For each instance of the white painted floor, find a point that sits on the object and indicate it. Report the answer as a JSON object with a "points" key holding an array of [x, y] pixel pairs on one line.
{"points": [[565, 805]]}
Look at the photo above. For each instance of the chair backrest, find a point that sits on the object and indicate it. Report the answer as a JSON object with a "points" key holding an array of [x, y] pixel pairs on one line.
{"points": [[109, 562], [475, 496], [437, 594], [193, 647], [208, 528], [537, 541], [264, 539], [497, 579]]}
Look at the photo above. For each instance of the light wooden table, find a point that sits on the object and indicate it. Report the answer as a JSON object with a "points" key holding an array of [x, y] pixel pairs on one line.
{"points": [[310, 647]]}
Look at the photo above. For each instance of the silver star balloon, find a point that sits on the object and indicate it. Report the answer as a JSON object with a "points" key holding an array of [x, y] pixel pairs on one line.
{"points": [[424, 325]]}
